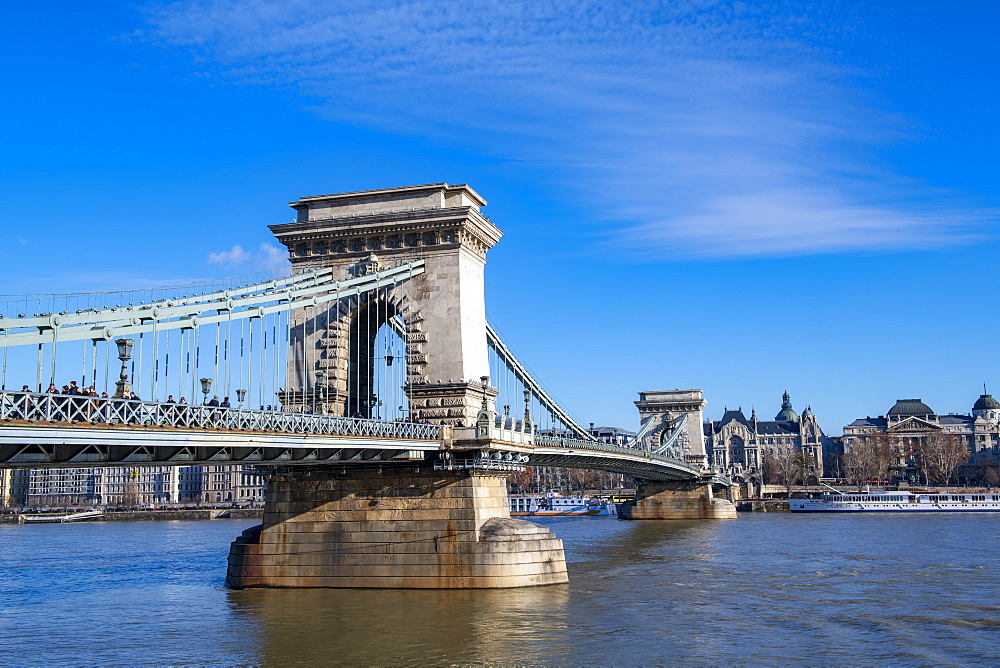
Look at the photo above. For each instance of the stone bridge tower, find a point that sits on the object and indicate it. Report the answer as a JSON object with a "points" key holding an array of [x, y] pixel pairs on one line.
{"points": [[671, 421], [662, 413], [443, 309]]}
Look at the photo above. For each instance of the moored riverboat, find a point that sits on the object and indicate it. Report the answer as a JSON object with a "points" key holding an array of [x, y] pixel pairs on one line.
{"points": [[897, 501], [61, 518], [560, 505]]}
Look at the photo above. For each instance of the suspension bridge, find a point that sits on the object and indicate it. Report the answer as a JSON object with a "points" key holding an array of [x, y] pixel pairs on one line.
{"points": [[366, 379]]}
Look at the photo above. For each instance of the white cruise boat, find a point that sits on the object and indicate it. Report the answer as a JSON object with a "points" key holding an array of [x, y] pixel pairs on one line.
{"points": [[559, 505], [60, 519], [896, 502]]}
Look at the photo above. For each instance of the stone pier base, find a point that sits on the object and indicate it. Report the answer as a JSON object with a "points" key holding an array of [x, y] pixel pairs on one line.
{"points": [[443, 530], [677, 501]]}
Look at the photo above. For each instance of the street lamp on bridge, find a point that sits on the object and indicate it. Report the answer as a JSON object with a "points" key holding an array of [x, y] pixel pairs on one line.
{"points": [[320, 394], [206, 387], [526, 426], [483, 417], [124, 354], [240, 396]]}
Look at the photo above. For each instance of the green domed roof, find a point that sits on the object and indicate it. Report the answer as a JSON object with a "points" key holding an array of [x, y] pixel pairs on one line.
{"points": [[986, 403], [786, 414]]}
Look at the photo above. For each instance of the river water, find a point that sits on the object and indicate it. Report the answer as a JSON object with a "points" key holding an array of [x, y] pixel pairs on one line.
{"points": [[763, 589]]}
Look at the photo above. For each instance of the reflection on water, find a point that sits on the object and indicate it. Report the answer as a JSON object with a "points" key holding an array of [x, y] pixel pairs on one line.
{"points": [[396, 627], [771, 589]]}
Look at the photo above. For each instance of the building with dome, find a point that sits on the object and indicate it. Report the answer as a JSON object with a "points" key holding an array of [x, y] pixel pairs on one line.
{"points": [[737, 445], [909, 421]]}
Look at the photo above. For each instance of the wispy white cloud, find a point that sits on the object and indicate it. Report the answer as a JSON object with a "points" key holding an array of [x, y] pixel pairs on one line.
{"points": [[267, 256], [235, 255], [702, 127], [272, 256]]}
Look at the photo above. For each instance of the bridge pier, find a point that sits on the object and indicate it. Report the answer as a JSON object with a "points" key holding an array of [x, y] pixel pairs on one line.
{"points": [[401, 530], [677, 501]]}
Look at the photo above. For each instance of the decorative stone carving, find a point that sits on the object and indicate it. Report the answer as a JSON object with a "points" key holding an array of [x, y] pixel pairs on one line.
{"points": [[368, 265]]}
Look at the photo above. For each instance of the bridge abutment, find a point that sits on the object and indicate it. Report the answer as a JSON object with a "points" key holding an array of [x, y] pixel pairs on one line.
{"points": [[437, 529], [677, 501]]}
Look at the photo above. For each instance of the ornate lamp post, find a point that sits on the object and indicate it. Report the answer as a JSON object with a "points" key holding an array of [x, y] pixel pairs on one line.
{"points": [[483, 417], [526, 426], [206, 387], [320, 394], [124, 354], [240, 396]]}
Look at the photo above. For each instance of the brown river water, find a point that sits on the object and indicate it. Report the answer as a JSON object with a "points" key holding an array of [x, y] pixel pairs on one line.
{"points": [[773, 588]]}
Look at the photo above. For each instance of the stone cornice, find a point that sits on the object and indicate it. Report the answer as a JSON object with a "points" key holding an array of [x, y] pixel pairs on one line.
{"points": [[461, 225], [391, 192], [659, 406]]}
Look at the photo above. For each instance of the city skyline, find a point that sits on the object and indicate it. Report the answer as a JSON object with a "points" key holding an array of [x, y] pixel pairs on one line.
{"points": [[719, 196]]}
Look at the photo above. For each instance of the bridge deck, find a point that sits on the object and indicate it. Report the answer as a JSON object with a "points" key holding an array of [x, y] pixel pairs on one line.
{"points": [[39, 430]]}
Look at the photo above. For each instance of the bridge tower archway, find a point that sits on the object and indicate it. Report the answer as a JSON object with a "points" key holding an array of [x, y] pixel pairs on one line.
{"points": [[440, 312], [662, 414]]}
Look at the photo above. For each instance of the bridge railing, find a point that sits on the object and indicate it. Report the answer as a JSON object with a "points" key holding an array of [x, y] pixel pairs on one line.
{"points": [[109, 410], [580, 444]]}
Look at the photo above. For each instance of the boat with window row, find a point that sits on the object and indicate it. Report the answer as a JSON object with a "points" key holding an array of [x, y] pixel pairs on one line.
{"points": [[560, 505], [61, 518], [897, 501]]}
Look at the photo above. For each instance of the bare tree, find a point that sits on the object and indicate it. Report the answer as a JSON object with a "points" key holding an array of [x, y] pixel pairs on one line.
{"points": [[939, 454], [784, 465], [130, 495], [868, 458], [521, 480]]}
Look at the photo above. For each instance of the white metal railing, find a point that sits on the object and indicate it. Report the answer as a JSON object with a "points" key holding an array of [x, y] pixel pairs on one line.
{"points": [[32, 406]]}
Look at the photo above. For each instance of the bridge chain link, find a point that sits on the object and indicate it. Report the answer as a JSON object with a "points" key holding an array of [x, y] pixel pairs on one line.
{"points": [[575, 443]]}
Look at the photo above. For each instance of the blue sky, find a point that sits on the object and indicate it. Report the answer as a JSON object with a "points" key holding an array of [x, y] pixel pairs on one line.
{"points": [[738, 197]]}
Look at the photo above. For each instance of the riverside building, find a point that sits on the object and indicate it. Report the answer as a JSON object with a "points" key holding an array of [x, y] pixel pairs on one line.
{"points": [[137, 485], [737, 445], [910, 421]]}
